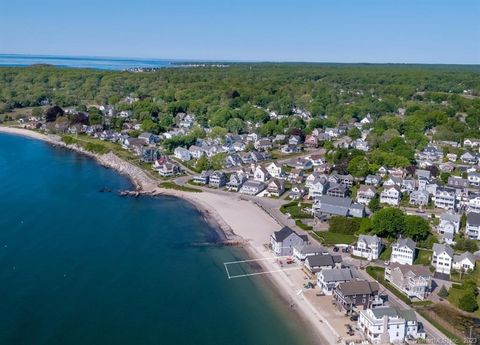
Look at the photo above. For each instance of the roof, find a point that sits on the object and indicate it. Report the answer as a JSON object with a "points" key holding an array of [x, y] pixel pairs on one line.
{"points": [[320, 260], [358, 288], [408, 242], [310, 249], [473, 218], [417, 270], [380, 312], [284, 232], [463, 256], [339, 274], [368, 239], [440, 248], [452, 217]]}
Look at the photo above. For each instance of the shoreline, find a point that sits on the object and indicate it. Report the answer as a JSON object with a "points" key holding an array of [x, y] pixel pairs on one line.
{"points": [[232, 218]]}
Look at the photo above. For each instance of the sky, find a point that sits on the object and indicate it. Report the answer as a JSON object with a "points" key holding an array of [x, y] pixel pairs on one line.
{"points": [[376, 31]]}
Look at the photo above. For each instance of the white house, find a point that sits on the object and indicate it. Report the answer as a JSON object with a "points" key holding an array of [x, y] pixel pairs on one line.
{"points": [[442, 258], [328, 279], [284, 240], [306, 250], [390, 195], [449, 225], [365, 194], [261, 174], [446, 198], [274, 170], [465, 261], [386, 325], [403, 251], [182, 153], [368, 247]]}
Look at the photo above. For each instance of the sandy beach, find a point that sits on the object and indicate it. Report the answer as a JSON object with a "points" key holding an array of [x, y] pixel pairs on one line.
{"points": [[239, 220]]}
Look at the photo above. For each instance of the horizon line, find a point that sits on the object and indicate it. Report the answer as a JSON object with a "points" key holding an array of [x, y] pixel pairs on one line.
{"points": [[200, 60]]}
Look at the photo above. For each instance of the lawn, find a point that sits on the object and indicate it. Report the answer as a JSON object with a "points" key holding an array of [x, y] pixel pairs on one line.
{"points": [[386, 253], [423, 257], [295, 210], [330, 239], [172, 185]]}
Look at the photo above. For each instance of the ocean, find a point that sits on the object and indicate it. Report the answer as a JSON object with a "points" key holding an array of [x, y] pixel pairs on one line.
{"points": [[82, 266], [102, 63]]}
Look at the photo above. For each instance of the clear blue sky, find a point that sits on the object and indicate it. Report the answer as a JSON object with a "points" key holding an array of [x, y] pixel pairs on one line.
{"points": [[423, 31]]}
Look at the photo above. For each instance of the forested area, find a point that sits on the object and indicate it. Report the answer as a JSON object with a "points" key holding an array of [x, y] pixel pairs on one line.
{"points": [[240, 97]]}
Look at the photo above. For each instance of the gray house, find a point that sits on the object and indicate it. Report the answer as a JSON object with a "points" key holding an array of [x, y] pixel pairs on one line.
{"points": [[284, 240], [327, 205]]}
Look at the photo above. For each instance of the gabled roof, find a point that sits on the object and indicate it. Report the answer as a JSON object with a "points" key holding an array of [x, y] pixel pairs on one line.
{"points": [[320, 260], [440, 248], [463, 256], [358, 288], [369, 240], [311, 249], [450, 216], [284, 232], [473, 218], [339, 274], [417, 270], [408, 242]]}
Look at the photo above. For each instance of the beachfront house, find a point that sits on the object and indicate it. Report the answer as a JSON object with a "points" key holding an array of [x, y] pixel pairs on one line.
{"points": [[388, 325], [217, 179], [351, 295], [284, 240], [251, 187], [328, 279], [415, 281], [368, 247], [316, 263], [302, 252], [403, 251], [236, 182], [203, 177], [276, 187]]}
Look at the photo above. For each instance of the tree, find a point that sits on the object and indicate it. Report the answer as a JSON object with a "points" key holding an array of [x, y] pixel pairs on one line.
{"points": [[37, 112], [468, 302], [235, 125], [358, 166], [95, 116], [354, 133], [218, 161], [464, 244], [218, 132], [416, 228], [52, 113], [374, 204], [202, 164], [388, 222], [443, 293]]}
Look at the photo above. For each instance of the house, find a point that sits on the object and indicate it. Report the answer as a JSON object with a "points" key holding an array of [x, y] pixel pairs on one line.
{"points": [[302, 163], [337, 190], [373, 180], [473, 226], [368, 247], [432, 153], [464, 262], [251, 187], [147, 138], [408, 185], [284, 240], [296, 176], [388, 325], [196, 152], [423, 173], [318, 187], [326, 205], [203, 178], [468, 158], [351, 295], [449, 225], [311, 141], [294, 140], [403, 251], [287, 149], [317, 160], [261, 174], [413, 280], [457, 182], [365, 194], [419, 198], [297, 192], [361, 145], [274, 170], [391, 195], [474, 178], [302, 252], [217, 179], [168, 169], [236, 181], [263, 144], [471, 143], [445, 198], [346, 180], [276, 187], [442, 258], [473, 202], [182, 153], [393, 181], [316, 263], [328, 279], [452, 157]]}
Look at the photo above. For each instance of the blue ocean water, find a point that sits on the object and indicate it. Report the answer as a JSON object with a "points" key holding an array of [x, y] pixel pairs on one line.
{"points": [[80, 266], [16, 60]]}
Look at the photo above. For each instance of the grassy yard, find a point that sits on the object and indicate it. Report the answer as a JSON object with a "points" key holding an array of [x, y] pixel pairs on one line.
{"points": [[423, 257], [330, 239], [386, 253], [172, 185], [296, 211]]}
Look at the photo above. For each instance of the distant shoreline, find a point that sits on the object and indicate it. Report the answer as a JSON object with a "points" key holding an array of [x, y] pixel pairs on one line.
{"points": [[236, 219]]}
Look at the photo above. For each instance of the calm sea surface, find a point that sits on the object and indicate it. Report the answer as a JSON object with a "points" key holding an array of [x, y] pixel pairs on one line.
{"points": [[78, 266], [81, 62]]}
